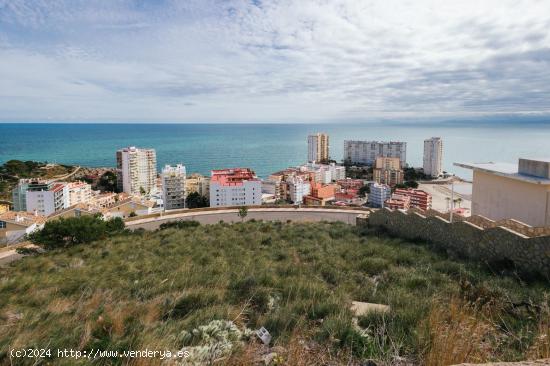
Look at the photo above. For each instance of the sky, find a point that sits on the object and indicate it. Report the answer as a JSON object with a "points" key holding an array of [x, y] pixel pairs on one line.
{"points": [[272, 61]]}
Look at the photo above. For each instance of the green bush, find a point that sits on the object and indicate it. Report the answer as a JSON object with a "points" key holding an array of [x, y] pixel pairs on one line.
{"points": [[62, 233], [179, 224]]}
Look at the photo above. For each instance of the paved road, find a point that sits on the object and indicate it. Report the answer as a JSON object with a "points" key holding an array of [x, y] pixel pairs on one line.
{"points": [[266, 214]]}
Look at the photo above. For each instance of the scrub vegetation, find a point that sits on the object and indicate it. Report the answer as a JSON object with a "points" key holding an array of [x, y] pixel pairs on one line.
{"points": [[205, 288]]}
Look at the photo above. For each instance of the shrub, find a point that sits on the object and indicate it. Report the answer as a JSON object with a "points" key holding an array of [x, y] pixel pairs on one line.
{"points": [[64, 233], [179, 224], [374, 265]]}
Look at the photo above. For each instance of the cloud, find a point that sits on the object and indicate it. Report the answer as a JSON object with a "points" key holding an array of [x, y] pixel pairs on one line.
{"points": [[278, 60]]}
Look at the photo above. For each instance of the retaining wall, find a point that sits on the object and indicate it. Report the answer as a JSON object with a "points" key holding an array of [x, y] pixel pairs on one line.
{"points": [[463, 238]]}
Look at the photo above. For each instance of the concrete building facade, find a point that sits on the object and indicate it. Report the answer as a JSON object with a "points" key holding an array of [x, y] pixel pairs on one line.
{"points": [[379, 193], [235, 187], [298, 188], [433, 157], [198, 183], [136, 170], [366, 152], [79, 192], [509, 191], [418, 198], [318, 147], [173, 187], [388, 171], [47, 198]]}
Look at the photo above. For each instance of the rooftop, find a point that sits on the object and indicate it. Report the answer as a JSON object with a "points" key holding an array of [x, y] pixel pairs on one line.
{"points": [[233, 176], [507, 170]]}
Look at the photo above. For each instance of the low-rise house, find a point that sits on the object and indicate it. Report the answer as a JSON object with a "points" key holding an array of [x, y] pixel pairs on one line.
{"points": [[78, 210], [133, 206], [14, 225]]}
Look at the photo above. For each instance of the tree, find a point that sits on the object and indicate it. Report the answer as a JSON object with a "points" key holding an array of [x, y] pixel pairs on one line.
{"points": [[243, 212], [62, 233], [195, 200], [363, 191], [459, 201], [108, 182], [142, 191], [411, 184]]}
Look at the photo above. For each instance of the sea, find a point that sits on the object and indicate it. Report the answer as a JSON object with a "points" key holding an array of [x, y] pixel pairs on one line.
{"points": [[265, 148]]}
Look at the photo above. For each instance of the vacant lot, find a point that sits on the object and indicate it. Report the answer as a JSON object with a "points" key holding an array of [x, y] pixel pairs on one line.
{"points": [[161, 290]]}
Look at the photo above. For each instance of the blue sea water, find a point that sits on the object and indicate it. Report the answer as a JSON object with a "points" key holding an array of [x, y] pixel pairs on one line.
{"points": [[263, 147]]}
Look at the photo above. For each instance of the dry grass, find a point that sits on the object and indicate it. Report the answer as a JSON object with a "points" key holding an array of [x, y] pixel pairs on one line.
{"points": [[541, 346], [140, 291], [460, 332]]}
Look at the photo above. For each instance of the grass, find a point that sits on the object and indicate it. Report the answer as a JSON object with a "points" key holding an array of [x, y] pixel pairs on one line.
{"points": [[151, 289]]}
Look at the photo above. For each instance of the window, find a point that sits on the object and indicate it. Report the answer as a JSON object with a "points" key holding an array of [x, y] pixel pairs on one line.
{"points": [[2, 224]]}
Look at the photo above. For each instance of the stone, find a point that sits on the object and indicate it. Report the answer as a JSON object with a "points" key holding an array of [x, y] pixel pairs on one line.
{"points": [[363, 308]]}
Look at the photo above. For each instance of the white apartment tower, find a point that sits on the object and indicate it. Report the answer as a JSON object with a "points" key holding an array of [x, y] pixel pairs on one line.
{"points": [[173, 186], [366, 152], [136, 170], [317, 147], [433, 157]]}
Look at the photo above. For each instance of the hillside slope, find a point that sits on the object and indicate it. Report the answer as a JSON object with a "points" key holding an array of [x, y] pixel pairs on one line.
{"points": [[152, 289]]}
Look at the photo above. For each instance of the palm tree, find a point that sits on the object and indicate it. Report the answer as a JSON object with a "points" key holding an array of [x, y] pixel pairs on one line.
{"points": [[459, 201]]}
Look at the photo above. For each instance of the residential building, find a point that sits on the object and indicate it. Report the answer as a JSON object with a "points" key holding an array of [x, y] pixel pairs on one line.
{"points": [[321, 194], [398, 202], [198, 183], [173, 187], [131, 206], [379, 193], [14, 225], [235, 187], [136, 170], [318, 148], [433, 157], [510, 191], [388, 171], [298, 188], [324, 173], [79, 192], [418, 198], [348, 183], [19, 195], [46, 198], [366, 152], [77, 210]]}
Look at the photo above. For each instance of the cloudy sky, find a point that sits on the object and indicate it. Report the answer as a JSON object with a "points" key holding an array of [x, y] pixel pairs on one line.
{"points": [[272, 61]]}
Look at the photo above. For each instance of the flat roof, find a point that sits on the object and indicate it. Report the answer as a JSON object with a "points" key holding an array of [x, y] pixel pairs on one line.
{"points": [[507, 170]]}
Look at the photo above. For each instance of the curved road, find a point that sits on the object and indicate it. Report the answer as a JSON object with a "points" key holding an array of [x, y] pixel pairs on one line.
{"points": [[267, 214]]}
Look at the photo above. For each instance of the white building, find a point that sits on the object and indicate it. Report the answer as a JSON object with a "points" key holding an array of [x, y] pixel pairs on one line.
{"points": [[317, 147], [366, 152], [325, 173], [47, 198], [173, 187], [79, 192], [136, 170], [235, 187], [298, 188], [379, 193], [433, 157]]}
